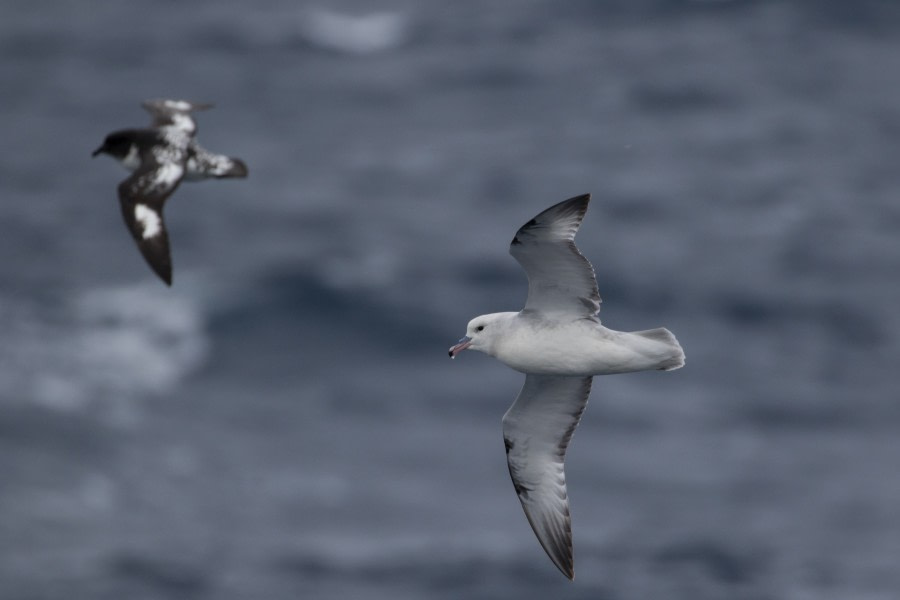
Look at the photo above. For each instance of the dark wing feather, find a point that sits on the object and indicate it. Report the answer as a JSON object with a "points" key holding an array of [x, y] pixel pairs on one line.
{"points": [[142, 196]]}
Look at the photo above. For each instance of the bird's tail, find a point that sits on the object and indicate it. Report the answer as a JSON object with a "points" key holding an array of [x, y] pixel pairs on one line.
{"points": [[673, 357]]}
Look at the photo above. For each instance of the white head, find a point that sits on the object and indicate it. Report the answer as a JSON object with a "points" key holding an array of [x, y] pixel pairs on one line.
{"points": [[483, 332]]}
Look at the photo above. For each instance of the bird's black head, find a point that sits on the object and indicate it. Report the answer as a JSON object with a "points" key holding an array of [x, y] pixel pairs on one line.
{"points": [[116, 144]]}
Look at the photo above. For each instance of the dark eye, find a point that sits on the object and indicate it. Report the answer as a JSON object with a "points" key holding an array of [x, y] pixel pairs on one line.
{"points": [[479, 328]]}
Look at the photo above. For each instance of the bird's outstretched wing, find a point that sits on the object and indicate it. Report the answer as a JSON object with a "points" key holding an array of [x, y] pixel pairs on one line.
{"points": [[202, 164], [174, 113], [536, 431], [560, 278], [142, 196]]}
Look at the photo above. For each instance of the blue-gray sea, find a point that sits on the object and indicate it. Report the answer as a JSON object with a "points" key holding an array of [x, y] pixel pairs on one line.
{"points": [[284, 421]]}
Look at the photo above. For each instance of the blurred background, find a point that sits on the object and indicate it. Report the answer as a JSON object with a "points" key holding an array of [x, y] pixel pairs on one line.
{"points": [[284, 421]]}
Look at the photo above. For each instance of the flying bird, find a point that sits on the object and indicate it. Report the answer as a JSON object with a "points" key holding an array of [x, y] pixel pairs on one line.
{"points": [[159, 158], [557, 341]]}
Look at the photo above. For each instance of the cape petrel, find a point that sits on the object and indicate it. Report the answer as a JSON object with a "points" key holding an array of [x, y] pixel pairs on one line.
{"points": [[159, 158], [557, 341]]}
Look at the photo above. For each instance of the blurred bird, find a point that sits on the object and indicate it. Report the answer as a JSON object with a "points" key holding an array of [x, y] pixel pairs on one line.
{"points": [[160, 157], [558, 342]]}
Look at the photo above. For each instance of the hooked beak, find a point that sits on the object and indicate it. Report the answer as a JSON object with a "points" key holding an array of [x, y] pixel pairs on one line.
{"points": [[461, 345]]}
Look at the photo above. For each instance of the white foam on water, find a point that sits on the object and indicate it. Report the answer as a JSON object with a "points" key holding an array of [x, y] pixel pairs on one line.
{"points": [[355, 34], [100, 345]]}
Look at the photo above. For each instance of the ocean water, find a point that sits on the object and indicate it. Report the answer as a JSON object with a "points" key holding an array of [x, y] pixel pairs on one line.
{"points": [[284, 422]]}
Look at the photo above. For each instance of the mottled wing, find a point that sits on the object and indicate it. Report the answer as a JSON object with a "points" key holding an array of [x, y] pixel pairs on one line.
{"points": [[174, 113], [202, 164], [536, 430], [560, 279], [142, 196]]}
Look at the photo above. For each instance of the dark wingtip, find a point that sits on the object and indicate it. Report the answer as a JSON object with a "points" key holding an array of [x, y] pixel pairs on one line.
{"points": [[576, 204], [581, 200], [163, 269], [565, 564], [159, 264], [239, 169], [166, 276]]}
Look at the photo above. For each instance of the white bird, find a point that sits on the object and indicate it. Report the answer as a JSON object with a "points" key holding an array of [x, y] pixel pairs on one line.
{"points": [[558, 342]]}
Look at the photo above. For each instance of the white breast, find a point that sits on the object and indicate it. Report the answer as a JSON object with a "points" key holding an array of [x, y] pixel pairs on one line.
{"points": [[132, 160]]}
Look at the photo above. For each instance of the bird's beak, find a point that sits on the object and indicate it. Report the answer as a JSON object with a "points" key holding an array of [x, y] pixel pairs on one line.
{"points": [[97, 151], [461, 345]]}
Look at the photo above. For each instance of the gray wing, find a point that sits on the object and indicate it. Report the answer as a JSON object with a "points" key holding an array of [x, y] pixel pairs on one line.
{"points": [[142, 196], [174, 113], [536, 430], [560, 279]]}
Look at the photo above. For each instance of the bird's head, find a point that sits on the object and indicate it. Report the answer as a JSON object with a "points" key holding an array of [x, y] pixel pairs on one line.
{"points": [[482, 333], [117, 145]]}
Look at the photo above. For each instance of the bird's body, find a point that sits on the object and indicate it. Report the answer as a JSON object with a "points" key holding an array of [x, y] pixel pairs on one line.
{"points": [[159, 158], [580, 347], [199, 164], [557, 340]]}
